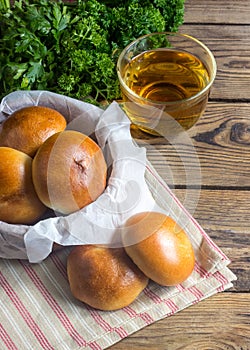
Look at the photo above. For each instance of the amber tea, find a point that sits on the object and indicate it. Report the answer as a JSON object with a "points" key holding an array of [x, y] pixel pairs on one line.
{"points": [[172, 80], [166, 75]]}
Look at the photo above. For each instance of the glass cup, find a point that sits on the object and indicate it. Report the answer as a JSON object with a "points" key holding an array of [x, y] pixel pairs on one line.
{"points": [[165, 77]]}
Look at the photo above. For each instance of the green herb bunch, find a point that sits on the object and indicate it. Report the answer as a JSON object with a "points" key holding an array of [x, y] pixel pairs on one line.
{"points": [[72, 48]]}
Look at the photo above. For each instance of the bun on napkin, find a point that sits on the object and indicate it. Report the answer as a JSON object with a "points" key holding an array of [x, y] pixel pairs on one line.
{"points": [[104, 278], [27, 128], [69, 171], [19, 203], [159, 247]]}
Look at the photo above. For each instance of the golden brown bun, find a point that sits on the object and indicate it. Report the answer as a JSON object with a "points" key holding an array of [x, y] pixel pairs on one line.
{"points": [[104, 278], [159, 247], [69, 171], [27, 128], [19, 203]]}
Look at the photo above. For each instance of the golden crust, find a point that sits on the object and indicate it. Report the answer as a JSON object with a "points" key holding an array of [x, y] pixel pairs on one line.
{"points": [[19, 203], [27, 128], [104, 278], [69, 171], [159, 247]]}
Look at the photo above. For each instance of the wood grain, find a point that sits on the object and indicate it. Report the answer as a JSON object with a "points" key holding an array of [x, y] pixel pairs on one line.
{"points": [[230, 12], [230, 45], [218, 150], [201, 327], [224, 215]]}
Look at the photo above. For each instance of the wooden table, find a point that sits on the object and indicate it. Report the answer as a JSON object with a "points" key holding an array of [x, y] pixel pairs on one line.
{"points": [[222, 142]]}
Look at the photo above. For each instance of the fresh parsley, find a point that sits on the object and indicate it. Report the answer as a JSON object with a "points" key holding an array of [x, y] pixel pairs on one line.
{"points": [[72, 47]]}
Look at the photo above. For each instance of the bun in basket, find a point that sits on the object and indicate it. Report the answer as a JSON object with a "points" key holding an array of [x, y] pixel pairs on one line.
{"points": [[104, 278], [27, 128], [159, 247], [19, 203], [69, 171]]}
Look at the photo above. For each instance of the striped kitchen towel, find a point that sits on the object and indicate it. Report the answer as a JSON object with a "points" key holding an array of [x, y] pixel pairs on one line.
{"points": [[38, 311]]}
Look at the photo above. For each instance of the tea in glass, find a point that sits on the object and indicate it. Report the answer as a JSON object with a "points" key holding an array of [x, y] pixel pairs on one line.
{"points": [[165, 76]]}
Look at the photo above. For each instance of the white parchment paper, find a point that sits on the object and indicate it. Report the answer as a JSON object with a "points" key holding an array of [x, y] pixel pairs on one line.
{"points": [[126, 194]]}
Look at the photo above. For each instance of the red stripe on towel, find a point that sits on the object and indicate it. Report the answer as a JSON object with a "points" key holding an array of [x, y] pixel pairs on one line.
{"points": [[24, 313], [201, 271], [143, 315], [222, 279], [104, 324], [59, 265], [63, 318], [93, 345], [197, 293], [157, 300], [10, 345]]}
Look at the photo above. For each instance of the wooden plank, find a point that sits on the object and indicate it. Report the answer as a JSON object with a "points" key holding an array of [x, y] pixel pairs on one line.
{"points": [[231, 47], [224, 215], [231, 11], [217, 148], [220, 322]]}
